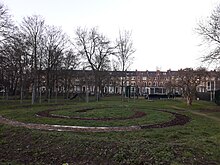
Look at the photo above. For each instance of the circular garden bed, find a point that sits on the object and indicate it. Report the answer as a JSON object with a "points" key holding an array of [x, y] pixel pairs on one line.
{"points": [[94, 118]]}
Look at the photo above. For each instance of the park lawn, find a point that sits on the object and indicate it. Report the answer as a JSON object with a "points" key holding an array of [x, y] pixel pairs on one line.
{"points": [[27, 113], [197, 142]]}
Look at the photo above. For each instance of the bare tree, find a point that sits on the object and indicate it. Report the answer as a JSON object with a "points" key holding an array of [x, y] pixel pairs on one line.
{"points": [[95, 48], [33, 28], [70, 61], [15, 61], [54, 42], [12, 52], [6, 23], [210, 32], [124, 54], [188, 79], [124, 50]]}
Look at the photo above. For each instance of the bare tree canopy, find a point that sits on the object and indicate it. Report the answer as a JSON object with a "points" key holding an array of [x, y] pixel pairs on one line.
{"points": [[96, 50], [188, 80], [210, 32], [55, 42], [94, 47], [33, 29], [124, 50], [6, 24], [70, 59]]}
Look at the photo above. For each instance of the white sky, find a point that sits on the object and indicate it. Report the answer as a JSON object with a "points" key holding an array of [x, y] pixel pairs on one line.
{"points": [[162, 30]]}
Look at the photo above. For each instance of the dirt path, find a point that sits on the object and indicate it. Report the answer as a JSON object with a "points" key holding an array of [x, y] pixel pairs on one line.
{"points": [[66, 128], [179, 119]]}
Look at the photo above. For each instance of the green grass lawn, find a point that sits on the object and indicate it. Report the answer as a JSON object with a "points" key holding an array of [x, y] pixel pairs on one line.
{"points": [[197, 142]]}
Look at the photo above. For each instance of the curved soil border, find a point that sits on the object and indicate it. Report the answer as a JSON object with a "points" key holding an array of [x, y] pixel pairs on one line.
{"points": [[137, 114], [178, 120]]}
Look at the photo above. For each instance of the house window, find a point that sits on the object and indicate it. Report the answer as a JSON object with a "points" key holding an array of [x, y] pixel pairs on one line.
{"points": [[154, 84], [209, 85], [84, 89], [144, 78]]}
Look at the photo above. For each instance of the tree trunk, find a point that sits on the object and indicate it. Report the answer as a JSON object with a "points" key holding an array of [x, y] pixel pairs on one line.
{"points": [[65, 89], [33, 92], [189, 100], [122, 91], [47, 85], [21, 89], [97, 87]]}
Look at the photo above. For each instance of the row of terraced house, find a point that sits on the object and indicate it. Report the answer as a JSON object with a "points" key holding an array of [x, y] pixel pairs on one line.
{"points": [[151, 82]]}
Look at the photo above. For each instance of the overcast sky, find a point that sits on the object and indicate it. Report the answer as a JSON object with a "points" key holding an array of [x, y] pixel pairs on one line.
{"points": [[162, 30]]}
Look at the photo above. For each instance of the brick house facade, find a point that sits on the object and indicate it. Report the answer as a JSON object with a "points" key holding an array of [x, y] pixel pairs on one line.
{"points": [[81, 81]]}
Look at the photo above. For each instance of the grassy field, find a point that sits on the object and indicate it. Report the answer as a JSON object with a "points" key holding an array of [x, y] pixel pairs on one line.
{"points": [[197, 142]]}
